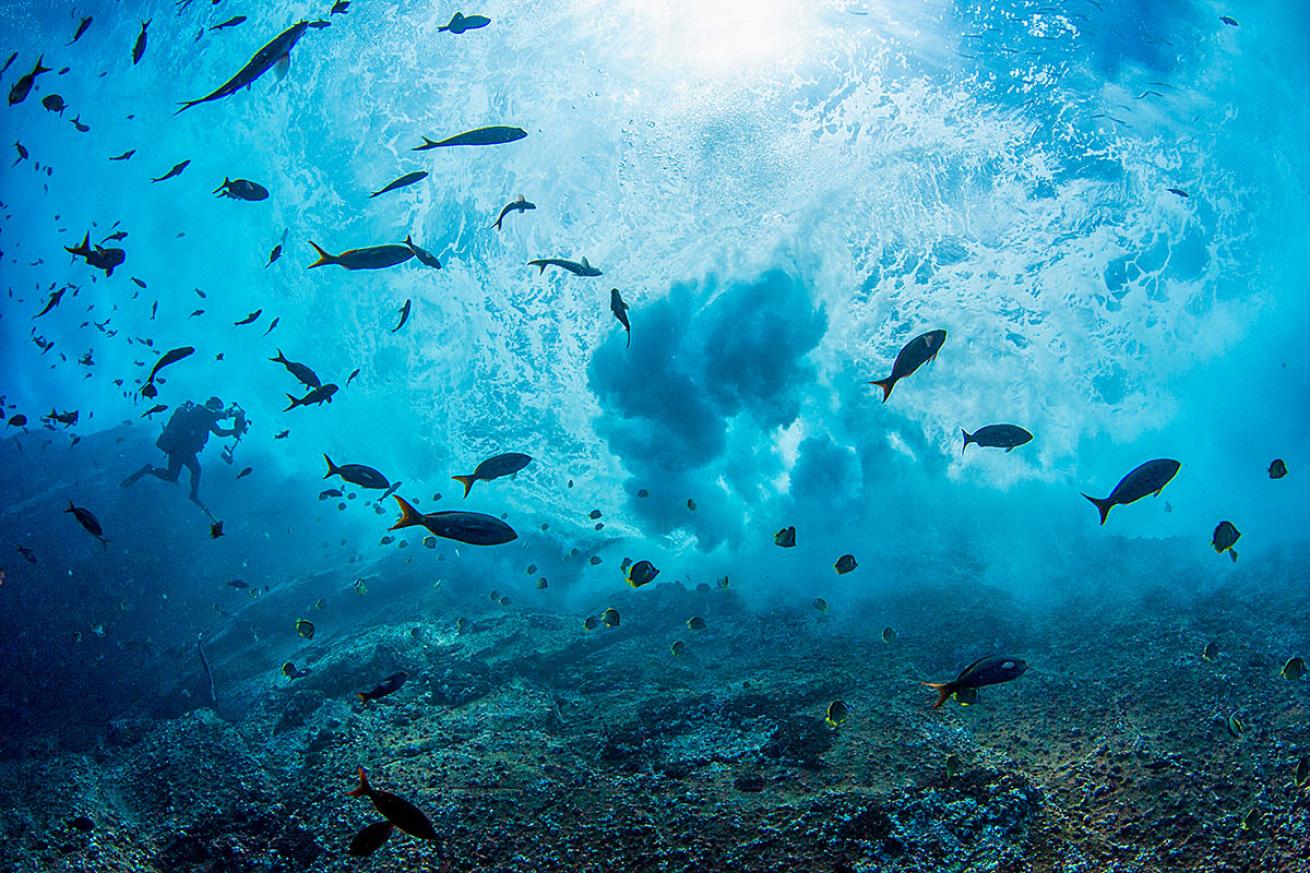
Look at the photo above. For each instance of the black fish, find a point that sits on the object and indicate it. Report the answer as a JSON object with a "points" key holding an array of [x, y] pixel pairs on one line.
{"points": [[398, 811], [55, 297], [173, 173], [785, 538], [351, 377], [1225, 537], [403, 182], [89, 522], [577, 268], [370, 258], [18, 93], [475, 528], [17, 420], [97, 256], [172, 356], [460, 23], [9, 63], [1229, 20], [341, 7], [246, 471], [77, 122], [1000, 436], [1178, 191], [480, 137], [155, 410], [330, 492], [519, 205], [125, 156], [620, 310], [915, 354], [389, 685], [282, 434], [249, 319], [1277, 468], [277, 51], [22, 153], [272, 324], [506, 464], [317, 397], [371, 838], [404, 315], [277, 249], [289, 670], [27, 553], [241, 189], [81, 29], [357, 474], [231, 22], [54, 103], [1149, 478], [139, 50], [424, 256], [303, 372], [641, 573], [991, 670]]}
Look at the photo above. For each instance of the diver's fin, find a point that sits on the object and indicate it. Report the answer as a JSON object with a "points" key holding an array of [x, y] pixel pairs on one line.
{"points": [[944, 691], [886, 386], [409, 516], [323, 257], [466, 481], [363, 790], [1102, 506]]}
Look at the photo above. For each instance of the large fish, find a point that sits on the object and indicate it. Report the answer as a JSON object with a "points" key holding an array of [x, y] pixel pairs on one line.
{"points": [[18, 93], [991, 670], [506, 464], [1000, 436], [302, 372], [474, 528], [400, 812], [917, 352], [89, 522], [97, 256], [369, 258], [172, 356], [480, 137], [357, 474], [577, 268], [1149, 478], [276, 53]]}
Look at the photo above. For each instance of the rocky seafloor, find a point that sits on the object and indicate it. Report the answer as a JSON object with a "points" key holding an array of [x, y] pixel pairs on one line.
{"points": [[534, 745]]}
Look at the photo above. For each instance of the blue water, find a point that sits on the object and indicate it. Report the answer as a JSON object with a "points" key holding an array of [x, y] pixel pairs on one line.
{"points": [[785, 194]]}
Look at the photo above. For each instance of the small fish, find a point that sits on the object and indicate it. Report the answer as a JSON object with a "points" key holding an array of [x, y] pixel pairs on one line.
{"points": [[216, 530], [1301, 775], [55, 297], [990, 670], [590, 623], [836, 714], [1149, 478], [9, 63], [425, 257], [18, 93], [81, 128], [231, 22], [480, 137], [249, 319], [820, 604], [341, 7], [954, 767], [1236, 727], [89, 523], [845, 564], [245, 472], [282, 434], [696, 623], [404, 316], [542, 584], [460, 23], [723, 582], [519, 204], [1000, 436], [620, 310], [403, 182], [1229, 20], [81, 29], [360, 586], [351, 377], [18, 420], [305, 628], [506, 464], [691, 504], [678, 649], [369, 258], [316, 397], [155, 410], [577, 268], [28, 554], [241, 189], [389, 685], [289, 670], [1294, 669], [403, 814], [371, 838], [174, 172], [1277, 468], [1178, 192], [1210, 652], [54, 103], [330, 493], [1225, 537], [911, 357], [641, 573], [889, 635], [22, 154], [357, 474], [125, 156], [272, 325], [610, 617], [303, 373], [139, 50], [785, 538]]}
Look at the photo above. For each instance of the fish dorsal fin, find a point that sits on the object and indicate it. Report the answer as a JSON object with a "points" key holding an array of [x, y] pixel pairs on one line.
{"points": [[520, 199], [586, 263]]}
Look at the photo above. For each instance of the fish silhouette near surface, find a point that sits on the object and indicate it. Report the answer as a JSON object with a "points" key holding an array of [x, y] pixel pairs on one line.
{"points": [[474, 528], [577, 268], [1149, 478], [482, 136], [276, 53], [913, 355], [368, 258]]}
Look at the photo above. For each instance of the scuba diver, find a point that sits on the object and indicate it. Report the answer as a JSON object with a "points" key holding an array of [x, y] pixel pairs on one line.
{"points": [[184, 437]]}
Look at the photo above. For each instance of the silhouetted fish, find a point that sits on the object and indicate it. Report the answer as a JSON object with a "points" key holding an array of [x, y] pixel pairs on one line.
{"points": [[506, 464], [18, 93], [1149, 478], [577, 268], [991, 670], [371, 838], [277, 51], [480, 137], [139, 49], [475, 528], [302, 372], [174, 172], [521, 204], [389, 685], [912, 356], [370, 258], [316, 397], [460, 23], [620, 310], [89, 522], [403, 182], [403, 814], [241, 189], [357, 474], [1000, 436]]}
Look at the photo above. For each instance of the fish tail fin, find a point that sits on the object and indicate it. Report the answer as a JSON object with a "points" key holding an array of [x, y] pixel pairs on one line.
{"points": [[409, 516], [409, 240], [71, 507], [226, 182], [466, 481], [1232, 553], [40, 68], [187, 104], [886, 386], [944, 691], [427, 144], [323, 257], [363, 789], [280, 359], [333, 469], [294, 403], [968, 438], [1102, 506]]}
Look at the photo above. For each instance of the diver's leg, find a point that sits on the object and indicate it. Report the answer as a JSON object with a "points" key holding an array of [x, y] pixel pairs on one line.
{"points": [[132, 480], [169, 473], [193, 465]]}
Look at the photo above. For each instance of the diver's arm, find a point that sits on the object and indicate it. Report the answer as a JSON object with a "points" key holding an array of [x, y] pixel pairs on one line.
{"points": [[222, 431]]}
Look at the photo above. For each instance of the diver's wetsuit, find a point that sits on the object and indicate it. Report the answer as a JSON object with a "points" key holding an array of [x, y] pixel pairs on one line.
{"points": [[184, 437]]}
